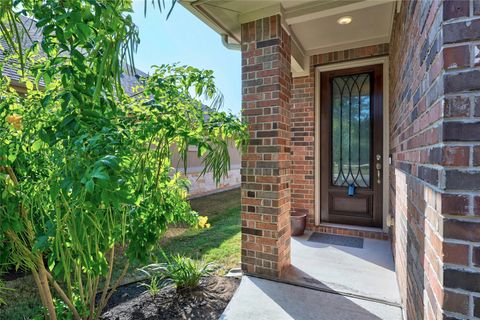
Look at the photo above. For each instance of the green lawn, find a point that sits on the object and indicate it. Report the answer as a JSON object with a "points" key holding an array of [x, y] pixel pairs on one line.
{"points": [[219, 244]]}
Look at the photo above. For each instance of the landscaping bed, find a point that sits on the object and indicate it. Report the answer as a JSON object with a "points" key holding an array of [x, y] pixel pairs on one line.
{"points": [[219, 245], [207, 301]]}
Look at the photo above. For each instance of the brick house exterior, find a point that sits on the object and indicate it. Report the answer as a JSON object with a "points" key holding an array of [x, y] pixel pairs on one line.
{"points": [[432, 159]]}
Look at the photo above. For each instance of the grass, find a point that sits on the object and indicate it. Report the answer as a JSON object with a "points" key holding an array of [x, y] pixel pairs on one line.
{"points": [[22, 301], [219, 244]]}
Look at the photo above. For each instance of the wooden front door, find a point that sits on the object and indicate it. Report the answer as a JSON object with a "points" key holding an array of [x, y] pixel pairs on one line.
{"points": [[351, 156]]}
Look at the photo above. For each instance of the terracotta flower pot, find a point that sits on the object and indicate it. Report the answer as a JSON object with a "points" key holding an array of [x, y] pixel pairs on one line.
{"points": [[298, 221]]}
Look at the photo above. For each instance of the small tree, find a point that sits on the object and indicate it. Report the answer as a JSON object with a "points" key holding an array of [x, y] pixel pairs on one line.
{"points": [[84, 168]]}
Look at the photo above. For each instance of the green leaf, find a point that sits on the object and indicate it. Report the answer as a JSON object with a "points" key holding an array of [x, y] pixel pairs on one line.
{"points": [[29, 85], [90, 186], [110, 161], [36, 145], [42, 22], [12, 157], [41, 243], [100, 174], [84, 29], [17, 225]]}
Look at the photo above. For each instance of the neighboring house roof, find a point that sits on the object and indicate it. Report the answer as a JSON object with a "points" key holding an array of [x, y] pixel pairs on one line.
{"points": [[12, 69], [130, 81]]}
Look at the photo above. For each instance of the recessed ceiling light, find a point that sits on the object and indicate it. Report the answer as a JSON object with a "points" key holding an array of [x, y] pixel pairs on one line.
{"points": [[344, 20]]}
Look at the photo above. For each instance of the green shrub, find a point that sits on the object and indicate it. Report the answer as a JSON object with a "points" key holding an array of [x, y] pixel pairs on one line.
{"points": [[183, 272], [84, 168]]}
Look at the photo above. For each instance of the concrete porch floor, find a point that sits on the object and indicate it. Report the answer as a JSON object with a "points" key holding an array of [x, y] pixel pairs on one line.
{"points": [[365, 272], [324, 282]]}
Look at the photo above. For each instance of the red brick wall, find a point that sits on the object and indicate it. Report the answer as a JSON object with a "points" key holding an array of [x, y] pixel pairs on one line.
{"points": [[350, 54], [266, 90], [460, 158], [415, 128], [434, 177], [303, 147]]}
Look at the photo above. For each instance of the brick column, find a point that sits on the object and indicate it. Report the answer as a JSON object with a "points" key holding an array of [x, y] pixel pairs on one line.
{"points": [[434, 140], [460, 160], [266, 86]]}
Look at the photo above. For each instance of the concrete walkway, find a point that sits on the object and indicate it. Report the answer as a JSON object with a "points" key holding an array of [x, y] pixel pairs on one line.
{"points": [[324, 282], [259, 299]]}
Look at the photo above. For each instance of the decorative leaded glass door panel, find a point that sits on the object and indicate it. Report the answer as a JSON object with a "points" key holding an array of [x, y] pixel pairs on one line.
{"points": [[351, 146]]}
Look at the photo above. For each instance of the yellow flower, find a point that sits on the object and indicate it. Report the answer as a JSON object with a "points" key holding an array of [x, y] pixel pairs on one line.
{"points": [[202, 222], [15, 120]]}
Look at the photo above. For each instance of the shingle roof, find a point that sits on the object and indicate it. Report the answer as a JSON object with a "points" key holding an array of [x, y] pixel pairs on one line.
{"points": [[130, 81], [28, 36], [12, 68]]}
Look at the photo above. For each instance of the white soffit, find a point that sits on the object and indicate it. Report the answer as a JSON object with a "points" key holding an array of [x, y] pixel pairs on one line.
{"points": [[312, 23], [369, 26]]}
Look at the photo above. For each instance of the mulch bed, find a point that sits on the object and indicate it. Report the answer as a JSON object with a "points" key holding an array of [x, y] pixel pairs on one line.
{"points": [[205, 302]]}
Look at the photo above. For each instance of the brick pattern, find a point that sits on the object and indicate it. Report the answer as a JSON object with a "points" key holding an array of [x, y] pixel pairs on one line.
{"points": [[266, 90], [434, 135], [354, 232], [415, 133], [461, 136], [303, 147], [377, 50]]}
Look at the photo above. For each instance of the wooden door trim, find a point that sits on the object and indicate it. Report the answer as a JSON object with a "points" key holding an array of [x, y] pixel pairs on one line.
{"points": [[347, 65]]}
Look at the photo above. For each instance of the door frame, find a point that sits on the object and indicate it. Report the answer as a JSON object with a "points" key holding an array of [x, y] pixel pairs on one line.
{"points": [[386, 130]]}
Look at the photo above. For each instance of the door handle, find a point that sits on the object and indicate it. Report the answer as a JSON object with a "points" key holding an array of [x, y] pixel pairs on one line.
{"points": [[379, 168]]}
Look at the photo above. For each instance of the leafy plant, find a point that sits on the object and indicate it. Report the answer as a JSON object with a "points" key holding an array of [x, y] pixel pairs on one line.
{"points": [[154, 285], [186, 273], [183, 272], [84, 168]]}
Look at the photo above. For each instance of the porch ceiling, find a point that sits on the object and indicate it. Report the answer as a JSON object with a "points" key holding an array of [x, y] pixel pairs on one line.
{"points": [[311, 23]]}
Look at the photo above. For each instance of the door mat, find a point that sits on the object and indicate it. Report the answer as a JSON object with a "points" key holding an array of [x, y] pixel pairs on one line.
{"points": [[337, 240]]}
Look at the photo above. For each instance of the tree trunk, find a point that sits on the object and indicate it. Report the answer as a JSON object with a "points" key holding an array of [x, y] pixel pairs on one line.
{"points": [[42, 273]]}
